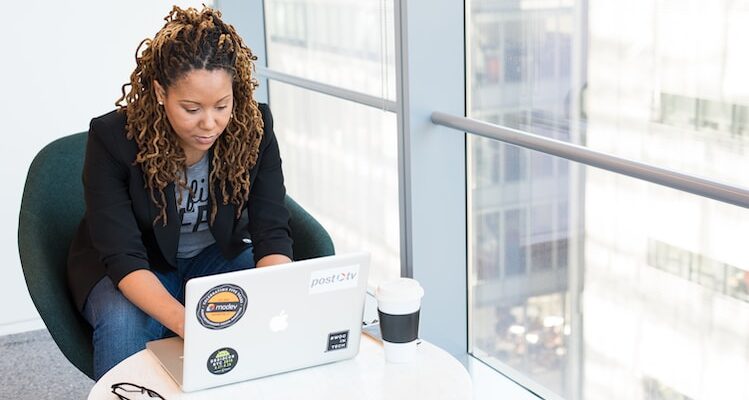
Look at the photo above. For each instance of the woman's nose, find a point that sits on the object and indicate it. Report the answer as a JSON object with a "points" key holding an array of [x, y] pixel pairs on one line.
{"points": [[208, 122]]}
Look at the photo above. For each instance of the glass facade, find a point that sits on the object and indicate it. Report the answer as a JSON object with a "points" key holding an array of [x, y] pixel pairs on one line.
{"points": [[587, 283]]}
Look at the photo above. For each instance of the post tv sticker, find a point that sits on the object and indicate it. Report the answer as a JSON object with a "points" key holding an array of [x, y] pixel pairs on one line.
{"points": [[222, 361], [222, 306], [332, 279]]}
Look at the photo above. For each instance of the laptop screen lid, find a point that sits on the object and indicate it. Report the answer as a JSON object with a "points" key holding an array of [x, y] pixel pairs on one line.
{"points": [[252, 323]]}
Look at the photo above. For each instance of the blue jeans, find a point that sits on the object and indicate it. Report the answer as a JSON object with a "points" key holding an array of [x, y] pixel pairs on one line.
{"points": [[121, 329]]}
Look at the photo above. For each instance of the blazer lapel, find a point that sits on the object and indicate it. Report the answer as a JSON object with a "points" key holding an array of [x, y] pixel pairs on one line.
{"points": [[167, 236]]}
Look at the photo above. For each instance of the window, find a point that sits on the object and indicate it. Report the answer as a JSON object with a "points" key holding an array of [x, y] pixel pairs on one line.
{"points": [[345, 43], [340, 158], [586, 283], [582, 283], [340, 161]]}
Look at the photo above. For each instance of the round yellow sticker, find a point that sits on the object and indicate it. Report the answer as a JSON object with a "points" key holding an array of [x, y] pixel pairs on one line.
{"points": [[221, 307]]}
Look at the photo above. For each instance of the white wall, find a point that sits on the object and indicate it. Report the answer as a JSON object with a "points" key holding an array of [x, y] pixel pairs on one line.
{"points": [[62, 64]]}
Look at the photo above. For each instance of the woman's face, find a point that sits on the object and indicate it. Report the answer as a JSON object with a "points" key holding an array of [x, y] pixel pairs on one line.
{"points": [[199, 107]]}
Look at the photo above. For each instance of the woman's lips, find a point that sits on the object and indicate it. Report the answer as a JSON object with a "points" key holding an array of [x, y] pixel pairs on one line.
{"points": [[205, 139]]}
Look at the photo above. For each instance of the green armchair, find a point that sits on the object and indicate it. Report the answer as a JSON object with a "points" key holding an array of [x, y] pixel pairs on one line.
{"points": [[51, 208]]}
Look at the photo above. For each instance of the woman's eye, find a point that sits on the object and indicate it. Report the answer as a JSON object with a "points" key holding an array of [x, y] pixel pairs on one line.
{"points": [[191, 110], [220, 107]]}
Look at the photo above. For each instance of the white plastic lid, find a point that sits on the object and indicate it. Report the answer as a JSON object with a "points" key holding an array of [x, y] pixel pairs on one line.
{"points": [[399, 290]]}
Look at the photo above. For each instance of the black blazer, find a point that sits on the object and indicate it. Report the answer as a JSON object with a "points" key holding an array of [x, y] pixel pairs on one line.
{"points": [[117, 235]]}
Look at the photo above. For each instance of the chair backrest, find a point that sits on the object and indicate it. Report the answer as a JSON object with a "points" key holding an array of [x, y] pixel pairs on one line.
{"points": [[51, 209], [311, 240]]}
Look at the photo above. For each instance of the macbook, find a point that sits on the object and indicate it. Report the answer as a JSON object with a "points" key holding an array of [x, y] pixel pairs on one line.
{"points": [[258, 322]]}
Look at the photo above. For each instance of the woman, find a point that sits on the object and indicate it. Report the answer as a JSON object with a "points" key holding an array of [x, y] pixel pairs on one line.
{"points": [[184, 179]]}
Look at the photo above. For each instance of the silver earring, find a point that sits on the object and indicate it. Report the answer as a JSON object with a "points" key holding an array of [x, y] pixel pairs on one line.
{"points": [[161, 103]]}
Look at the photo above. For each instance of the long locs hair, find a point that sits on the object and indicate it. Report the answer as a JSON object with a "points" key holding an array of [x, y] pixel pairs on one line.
{"points": [[191, 40]]}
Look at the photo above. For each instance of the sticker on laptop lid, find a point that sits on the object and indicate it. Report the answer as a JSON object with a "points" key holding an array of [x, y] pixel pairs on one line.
{"points": [[338, 340], [222, 361], [222, 306], [328, 280]]}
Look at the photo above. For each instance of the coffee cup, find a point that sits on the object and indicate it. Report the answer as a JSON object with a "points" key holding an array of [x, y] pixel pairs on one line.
{"points": [[398, 307]]}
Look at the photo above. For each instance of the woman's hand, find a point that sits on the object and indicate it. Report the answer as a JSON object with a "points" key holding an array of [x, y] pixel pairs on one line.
{"points": [[145, 290], [272, 259]]}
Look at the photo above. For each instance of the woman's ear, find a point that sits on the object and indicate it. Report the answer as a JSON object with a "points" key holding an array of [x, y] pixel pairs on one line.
{"points": [[159, 92]]}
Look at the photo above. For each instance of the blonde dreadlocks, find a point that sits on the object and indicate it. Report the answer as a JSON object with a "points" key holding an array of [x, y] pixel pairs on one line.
{"points": [[191, 40]]}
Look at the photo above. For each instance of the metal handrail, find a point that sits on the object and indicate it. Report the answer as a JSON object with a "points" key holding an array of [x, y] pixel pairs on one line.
{"points": [[336, 91], [723, 192]]}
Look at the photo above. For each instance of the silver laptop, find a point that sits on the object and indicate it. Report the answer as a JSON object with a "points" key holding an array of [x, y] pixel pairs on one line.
{"points": [[264, 321]]}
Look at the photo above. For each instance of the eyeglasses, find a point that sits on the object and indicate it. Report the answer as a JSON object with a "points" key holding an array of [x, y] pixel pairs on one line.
{"points": [[129, 391]]}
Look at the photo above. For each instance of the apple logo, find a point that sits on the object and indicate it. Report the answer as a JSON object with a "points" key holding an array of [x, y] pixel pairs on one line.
{"points": [[280, 322]]}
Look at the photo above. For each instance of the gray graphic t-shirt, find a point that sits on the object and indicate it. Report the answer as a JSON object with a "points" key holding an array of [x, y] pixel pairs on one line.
{"points": [[194, 212]]}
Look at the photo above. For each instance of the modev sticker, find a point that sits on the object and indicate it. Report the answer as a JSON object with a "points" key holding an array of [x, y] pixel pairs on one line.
{"points": [[222, 361], [328, 280], [222, 306]]}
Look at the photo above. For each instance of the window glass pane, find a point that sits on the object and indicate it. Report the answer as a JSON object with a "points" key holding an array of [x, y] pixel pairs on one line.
{"points": [[584, 282], [340, 161], [541, 236], [630, 290], [346, 43], [515, 242], [634, 80]]}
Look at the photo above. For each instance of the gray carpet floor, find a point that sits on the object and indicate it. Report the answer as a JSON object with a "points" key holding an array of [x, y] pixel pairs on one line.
{"points": [[32, 367]]}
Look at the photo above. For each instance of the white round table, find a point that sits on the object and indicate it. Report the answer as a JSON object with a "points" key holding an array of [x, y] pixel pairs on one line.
{"points": [[434, 374]]}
